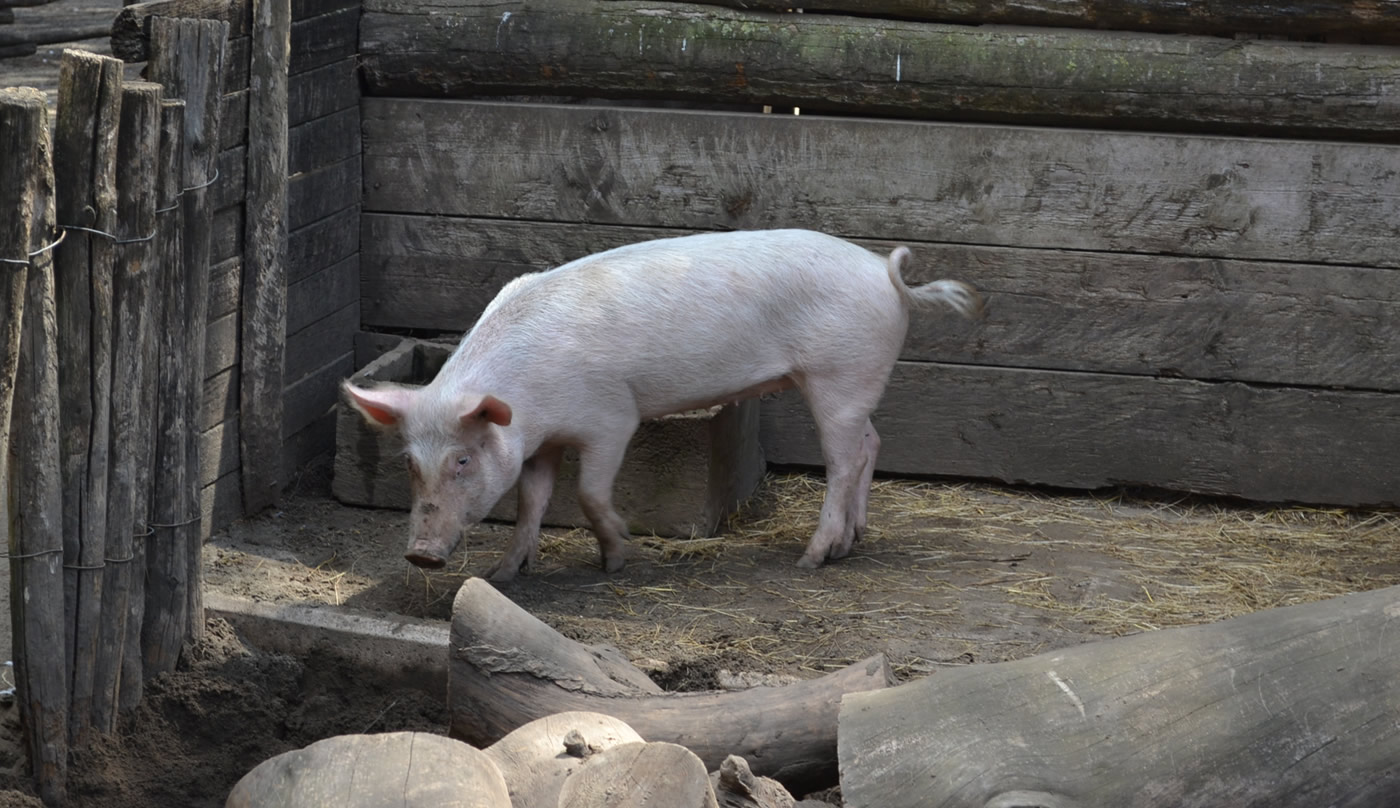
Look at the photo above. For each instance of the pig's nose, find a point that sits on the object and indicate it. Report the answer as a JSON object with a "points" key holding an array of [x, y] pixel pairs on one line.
{"points": [[423, 554]]}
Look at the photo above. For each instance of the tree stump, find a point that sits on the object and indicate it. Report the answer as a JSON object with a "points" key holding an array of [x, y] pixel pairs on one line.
{"points": [[536, 758], [1287, 708], [640, 775]]}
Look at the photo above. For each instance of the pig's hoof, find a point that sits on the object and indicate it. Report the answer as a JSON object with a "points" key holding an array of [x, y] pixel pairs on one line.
{"points": [[501, 572], [614, 564], [807, 563]]}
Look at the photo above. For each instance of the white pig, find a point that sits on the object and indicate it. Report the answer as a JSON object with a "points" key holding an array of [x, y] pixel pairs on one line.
{"points": [[580, 355]]}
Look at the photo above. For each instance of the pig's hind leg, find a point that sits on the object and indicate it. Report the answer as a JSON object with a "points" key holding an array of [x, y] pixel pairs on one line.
{"points": [[536, 484], [841, 408], [598, 466]]}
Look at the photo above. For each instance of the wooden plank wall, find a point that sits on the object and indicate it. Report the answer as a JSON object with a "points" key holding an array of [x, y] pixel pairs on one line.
{"points": [[1181, 310], [323, 271]]}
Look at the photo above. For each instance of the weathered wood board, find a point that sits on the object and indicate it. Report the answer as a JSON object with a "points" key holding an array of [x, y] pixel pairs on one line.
{"points": [[323, 243], [1286, 708], [322, 141], [1005, 186], [870, 66], [1089, 430], [1279, 323], [323, 192], [318, 92]]}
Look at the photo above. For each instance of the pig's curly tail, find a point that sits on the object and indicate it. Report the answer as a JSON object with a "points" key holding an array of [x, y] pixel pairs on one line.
{"points": [[962, 298]]}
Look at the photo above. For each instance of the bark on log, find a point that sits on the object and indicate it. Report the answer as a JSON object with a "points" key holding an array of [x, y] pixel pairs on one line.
{"points": [[612, 49], [1287, 707], [1373, 21], [33, 504], [736, 786], [264, 304], [507, 668], [640, 775], [85, 153], [370, 771], [138, 147]]}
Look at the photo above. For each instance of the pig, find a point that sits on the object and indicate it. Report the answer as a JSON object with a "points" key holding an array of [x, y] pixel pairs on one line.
{"points": [[581, 354]]}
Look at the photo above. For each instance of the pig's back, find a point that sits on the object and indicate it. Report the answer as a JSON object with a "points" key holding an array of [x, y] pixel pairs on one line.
{"points": [[723, 309]]}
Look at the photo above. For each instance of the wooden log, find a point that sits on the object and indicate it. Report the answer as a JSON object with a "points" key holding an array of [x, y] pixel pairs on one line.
{"points": [[612, 49], [31, 502], [1092, 430], [506, 668], [1270, 200], [1067, 310], [18, 49], [639, 775], [1287, 707], [166, 610], [24, 112], [369, 771], [736, 786], [536, 758], [1378, 22], [187, 57], [131, 30], [263, 312], [138, 147], [151, 482], [85, 151]]}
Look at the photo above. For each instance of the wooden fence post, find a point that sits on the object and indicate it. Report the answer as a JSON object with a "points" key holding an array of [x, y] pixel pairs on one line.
{"points": [[187, 56], [166, 607], [35, 519], [264, 328], [137, 145], [85, 150]]}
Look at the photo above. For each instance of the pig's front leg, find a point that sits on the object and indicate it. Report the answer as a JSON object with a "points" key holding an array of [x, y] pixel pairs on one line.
{"points": [[536, 484], [598, 465]]}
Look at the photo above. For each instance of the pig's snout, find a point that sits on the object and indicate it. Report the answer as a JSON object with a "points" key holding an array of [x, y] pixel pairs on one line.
{"points": [[427, 554]]}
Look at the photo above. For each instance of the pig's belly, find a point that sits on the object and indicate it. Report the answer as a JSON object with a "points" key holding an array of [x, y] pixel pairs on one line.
{"points": [[657, 406]]}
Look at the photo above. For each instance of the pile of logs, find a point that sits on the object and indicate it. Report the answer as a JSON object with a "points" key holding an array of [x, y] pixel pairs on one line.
{"points": [[1287, 707]]}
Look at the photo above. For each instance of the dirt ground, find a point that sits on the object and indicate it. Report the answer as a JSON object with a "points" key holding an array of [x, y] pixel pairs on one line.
{"points": [[950, 574]]}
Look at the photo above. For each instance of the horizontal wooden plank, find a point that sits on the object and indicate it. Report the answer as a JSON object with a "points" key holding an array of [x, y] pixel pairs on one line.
{"points": [[309, 443], [322, 40], [225, 287], [233, 120], [218, 451], [332, 335], [899, 180], [1298, 324], [221, 503], [221, 344], [305, 9], [314, 395], [219, 402], [322, 294], [228, 233], [323, 141], [317, 194], [231, 186], [319, 92], [237, 63], [1084, 430], [1356, 18], [867, 66], [322, 243]]}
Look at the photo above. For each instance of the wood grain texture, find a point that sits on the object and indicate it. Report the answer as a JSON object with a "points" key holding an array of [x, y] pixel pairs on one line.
{"points": [[325, 39], [999, 186], [867, 66], [326, 191], [31, 499], [640, 775], [85, 153], [234, 119], [323, 243], [263, 312], [226, 240], [311, 397], [220, 392], [188, 57], [323, 90], [318, 296], [322, 141], [331, 335], [1287, 707], [1302, 18], [133, 286], [1278, 323], [1087, 430], [131, 32], [225, 288]]}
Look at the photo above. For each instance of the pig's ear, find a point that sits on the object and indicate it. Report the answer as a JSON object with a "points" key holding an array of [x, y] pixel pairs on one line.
{"points": [[490, 409], [382, 407]]}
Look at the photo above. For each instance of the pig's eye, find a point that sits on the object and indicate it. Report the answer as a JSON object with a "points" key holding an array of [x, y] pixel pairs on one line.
{"points": [[463, 460]]}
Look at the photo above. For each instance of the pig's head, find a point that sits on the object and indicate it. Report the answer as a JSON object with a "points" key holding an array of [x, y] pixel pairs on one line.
{"points": [[460, 458]]}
